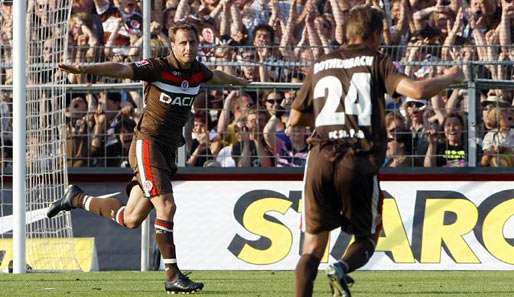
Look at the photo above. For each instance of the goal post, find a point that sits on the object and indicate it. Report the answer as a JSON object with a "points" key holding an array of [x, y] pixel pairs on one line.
{"points": [[38, 174], [19, 132]]}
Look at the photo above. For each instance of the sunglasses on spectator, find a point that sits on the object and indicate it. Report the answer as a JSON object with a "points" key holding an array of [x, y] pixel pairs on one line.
{"points": [[416, 104], [274, 100]]}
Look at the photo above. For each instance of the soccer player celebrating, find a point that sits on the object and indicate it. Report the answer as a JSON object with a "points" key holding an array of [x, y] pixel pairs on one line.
{"points": [[343, 100], [173, 83]]}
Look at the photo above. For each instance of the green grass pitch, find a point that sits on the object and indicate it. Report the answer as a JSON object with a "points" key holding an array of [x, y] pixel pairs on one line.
{"points": [[262, 284]]}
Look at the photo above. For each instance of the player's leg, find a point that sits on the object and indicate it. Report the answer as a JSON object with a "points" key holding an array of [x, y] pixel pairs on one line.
{"points": [[362, 208], [137, 209], [176, 282], [164, 211], [307, 268], [366, 203], [130, 216], [74, 197], [155, 166], [356, 256], [319, 215], [358, 253]]}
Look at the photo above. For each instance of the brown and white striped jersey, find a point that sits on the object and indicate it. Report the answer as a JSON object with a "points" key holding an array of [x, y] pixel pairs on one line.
{"points": [[169, 95], [345, 92]]}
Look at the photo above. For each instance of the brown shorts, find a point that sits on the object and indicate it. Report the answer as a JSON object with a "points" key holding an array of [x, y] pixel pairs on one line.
{"points": [[341, 190], [154, 166]]}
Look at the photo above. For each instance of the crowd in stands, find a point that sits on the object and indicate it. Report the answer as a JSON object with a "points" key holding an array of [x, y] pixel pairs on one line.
{"points": [[276, 41]]}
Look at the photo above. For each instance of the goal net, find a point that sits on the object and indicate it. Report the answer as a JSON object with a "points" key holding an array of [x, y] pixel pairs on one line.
{"points": [[49, 243]]}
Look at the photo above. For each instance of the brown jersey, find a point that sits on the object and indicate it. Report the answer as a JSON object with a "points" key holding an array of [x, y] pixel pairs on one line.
{"points": [[169, 96], [345, 92]]}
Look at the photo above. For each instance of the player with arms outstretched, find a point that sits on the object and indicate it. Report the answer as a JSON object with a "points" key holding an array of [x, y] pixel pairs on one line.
{"points": [[173, 83], [343, 99]]}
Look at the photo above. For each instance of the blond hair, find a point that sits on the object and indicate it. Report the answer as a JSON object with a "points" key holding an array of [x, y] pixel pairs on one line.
{"points": [[364, 21]]}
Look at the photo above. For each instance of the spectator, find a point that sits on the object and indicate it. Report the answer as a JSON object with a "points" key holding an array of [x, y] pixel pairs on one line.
{"points": [[399, 142], [249, 69], [413, 109], [236, 105], [264, 42], [209, 38], [251, 150], [450, 151], [224, 157], [498, 143], [292, 151], [486, 13], [5, 116], [5, 130], [201, 146], [105, 121], [77, 148], [121, 22], [6, 31], [87, 7], [118, 147], [272, 100], [225, 53], [304, 30], [168, 15], [489, 104], [244, 151]]}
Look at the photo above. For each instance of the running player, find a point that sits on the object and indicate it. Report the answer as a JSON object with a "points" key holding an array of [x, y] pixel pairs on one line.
{"points": [[343, 99], [173, 83]]}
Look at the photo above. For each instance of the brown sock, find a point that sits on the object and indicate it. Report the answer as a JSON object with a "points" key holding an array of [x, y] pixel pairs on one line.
{"points": [[110, 208], [358, 253], [164, 239], [306, 271]]}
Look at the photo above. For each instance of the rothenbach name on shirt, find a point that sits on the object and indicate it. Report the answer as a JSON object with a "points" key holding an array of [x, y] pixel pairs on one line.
{"points": [[343, 63]]}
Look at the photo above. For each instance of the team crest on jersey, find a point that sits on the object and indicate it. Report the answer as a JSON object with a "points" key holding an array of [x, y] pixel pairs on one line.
{"points": [[142, 63], [147, 185], [184, 85]]}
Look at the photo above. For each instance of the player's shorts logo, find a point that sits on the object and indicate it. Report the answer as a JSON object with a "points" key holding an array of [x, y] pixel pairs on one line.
{"points": [[184, 85], [147, 185]]}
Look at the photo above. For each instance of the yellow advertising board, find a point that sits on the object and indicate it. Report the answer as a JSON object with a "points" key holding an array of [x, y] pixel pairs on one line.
{"points": [[48, 254]]}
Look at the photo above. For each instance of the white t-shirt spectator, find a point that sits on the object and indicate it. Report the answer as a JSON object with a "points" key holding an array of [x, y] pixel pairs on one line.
{"points": [[224, 157], [496, 138]]}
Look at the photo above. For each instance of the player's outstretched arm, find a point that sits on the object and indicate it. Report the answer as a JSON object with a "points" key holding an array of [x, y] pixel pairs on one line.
{"points": [[116, 70], [427, 88], [222, 78]]}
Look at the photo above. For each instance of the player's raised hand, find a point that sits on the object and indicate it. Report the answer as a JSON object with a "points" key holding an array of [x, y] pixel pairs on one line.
{"points": [[75, 69]]}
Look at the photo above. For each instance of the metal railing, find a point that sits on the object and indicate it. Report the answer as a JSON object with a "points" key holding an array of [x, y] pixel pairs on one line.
{"points": [[474, 88]]}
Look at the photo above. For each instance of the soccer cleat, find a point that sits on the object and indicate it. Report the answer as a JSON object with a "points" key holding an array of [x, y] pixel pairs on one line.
{"points": [[65, 202], [182, 285], [338, 281]]}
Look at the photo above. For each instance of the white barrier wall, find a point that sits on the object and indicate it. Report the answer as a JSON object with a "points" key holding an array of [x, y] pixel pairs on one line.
{"points": [[254, 225]]}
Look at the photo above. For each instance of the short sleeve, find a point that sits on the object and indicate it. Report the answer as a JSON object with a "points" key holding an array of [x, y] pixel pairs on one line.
{"points": [[391, 76], [303, 99], [207, 73], [148, 70]]}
